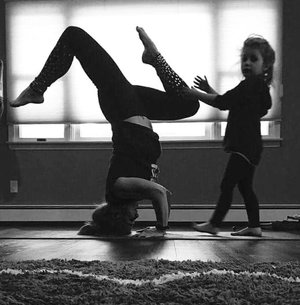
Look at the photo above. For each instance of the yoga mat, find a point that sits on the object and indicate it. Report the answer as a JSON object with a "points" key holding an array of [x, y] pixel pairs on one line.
{"points": [[25, 233]]}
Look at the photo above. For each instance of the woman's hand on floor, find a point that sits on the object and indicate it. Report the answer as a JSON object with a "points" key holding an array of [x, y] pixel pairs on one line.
{"points": [[149, 232]]}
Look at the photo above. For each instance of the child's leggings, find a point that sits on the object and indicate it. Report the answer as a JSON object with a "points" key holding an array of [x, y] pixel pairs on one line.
{"points": [[117, 97], [238, 172]]}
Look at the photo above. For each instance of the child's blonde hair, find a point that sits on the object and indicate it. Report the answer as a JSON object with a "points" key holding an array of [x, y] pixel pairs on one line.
{"points": [[267, 52]]}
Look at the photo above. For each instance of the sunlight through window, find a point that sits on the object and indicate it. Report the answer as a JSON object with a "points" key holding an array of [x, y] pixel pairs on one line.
{"points": [[196, 37], [177, 131], [41, 131], [95, 131], [264, 128]]}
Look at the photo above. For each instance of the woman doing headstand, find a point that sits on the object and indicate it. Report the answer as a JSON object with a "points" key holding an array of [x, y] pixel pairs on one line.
{"points": [[129, 109]]}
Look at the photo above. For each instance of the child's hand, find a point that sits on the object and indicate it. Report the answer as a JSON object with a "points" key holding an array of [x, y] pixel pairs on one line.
{"points": [[149, 232], [202, 84]]}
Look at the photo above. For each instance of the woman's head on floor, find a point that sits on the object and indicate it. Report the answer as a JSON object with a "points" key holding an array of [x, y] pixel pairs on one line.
{"points": [[111, 219]]}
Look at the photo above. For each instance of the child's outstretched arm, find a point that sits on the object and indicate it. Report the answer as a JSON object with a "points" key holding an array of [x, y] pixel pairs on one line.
{"points": [[207, 94], [207, 98]]}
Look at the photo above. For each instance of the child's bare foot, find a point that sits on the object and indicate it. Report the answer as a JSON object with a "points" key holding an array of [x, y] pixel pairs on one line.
{"points": [[206, 228], [150, 51], [248, 232], [27, 96]]}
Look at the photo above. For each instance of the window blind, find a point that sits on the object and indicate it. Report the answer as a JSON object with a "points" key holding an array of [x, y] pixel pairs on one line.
{"points": [[196, 38]]}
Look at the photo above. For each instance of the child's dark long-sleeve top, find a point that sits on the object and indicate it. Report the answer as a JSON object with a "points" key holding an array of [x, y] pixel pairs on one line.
{"points": [[247, 103]]}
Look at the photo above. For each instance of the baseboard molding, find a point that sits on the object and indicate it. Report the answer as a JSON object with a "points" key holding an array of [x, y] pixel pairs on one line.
{"points": [[179, 213]]}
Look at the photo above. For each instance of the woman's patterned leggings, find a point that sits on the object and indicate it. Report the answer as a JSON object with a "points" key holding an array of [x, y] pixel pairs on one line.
{"points": [[117, 97]]}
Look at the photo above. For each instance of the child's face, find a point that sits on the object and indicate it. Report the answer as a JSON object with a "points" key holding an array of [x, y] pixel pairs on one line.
{"points": [[252, 62]]}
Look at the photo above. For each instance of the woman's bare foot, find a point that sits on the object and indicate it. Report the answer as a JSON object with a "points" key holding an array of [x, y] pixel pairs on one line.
{"points": [[150, 51], [206, 228], [248, 232], [27, 96]]}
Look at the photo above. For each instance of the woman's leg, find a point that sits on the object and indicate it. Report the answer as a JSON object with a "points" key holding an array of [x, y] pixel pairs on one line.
{"points": [[174, 105], [159, 105], [95, 61]]}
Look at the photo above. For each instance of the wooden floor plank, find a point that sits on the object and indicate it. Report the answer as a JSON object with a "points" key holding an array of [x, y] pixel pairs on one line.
{"points": [[35, 245], [173, 234]]}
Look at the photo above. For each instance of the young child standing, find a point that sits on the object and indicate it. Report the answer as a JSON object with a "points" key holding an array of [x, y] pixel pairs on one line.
{"points": [[247, 103]]}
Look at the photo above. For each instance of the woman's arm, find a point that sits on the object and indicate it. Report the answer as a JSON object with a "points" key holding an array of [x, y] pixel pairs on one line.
{"points": [[139, 189]]}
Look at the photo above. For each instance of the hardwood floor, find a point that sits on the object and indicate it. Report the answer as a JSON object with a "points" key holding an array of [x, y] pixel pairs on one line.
{"points": [[43, 242]]}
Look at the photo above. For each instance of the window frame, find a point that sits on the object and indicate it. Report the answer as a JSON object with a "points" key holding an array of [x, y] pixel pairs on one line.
{"points": [[213, 133], [72, 131]]}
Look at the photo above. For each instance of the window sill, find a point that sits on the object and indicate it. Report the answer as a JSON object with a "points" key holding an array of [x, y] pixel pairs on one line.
{"points": [[107, 145]]}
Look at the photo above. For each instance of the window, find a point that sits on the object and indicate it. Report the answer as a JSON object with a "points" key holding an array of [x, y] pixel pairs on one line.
{"points": [[196, 37]]}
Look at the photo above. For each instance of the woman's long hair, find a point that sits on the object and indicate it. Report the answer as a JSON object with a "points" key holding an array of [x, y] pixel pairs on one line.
{"points": [[112, 219]]}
